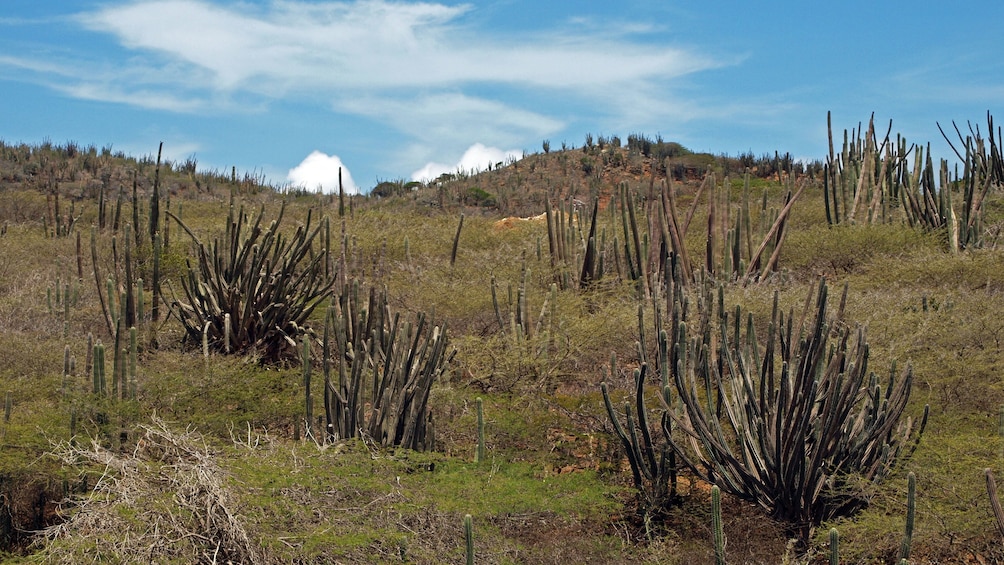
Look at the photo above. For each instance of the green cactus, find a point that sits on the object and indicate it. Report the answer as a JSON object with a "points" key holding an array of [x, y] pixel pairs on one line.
{"points": [[834, 547], [66, 369], [716, 525], [479, 456], [469, 538]]}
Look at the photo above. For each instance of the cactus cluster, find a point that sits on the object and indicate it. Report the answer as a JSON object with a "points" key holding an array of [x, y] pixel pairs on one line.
{"points": [[802, 411], [871, 180], [267, 283], [378, 371], [784, 423]]}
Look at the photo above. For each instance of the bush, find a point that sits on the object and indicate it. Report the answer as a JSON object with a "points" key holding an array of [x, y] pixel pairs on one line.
{"points": [[478, 197]]}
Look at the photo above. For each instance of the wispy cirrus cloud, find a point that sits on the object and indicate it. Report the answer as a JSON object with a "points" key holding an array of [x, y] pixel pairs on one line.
{"points": [[374, 45], [424, 69]]}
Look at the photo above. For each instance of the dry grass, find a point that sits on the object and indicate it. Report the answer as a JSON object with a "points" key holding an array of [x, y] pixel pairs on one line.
{"points": [[166, 501]]}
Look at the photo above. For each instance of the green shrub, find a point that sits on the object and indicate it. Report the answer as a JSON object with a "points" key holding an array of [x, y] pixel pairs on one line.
{"points": [[478, 197]]}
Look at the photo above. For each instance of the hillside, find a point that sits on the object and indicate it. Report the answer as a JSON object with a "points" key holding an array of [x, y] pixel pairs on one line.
{"points": [[191, 442]]}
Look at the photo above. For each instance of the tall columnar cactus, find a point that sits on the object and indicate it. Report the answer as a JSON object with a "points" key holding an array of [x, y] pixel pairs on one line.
{"points": [[99, 368], [66, 369], [456, 241], [716, 525], [133, 351], [834, 547], [308, 398], [480, 455], [995, 502], [105, 306], [469, 538], [911, 510]]}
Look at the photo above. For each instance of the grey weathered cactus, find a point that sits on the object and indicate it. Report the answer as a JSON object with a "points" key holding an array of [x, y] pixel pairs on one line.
{"points": [[404, 359], [133, 352], [456, 241], [911, 510], [995, 502], [306, 360], [267, 282]]}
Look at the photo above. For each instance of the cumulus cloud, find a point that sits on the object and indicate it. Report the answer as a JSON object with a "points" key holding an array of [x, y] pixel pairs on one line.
{"points": [[476, 158], [319, 170]]}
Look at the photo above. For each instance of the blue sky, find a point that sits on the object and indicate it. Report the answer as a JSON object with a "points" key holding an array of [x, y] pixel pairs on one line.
{"points": [[398, 90]]}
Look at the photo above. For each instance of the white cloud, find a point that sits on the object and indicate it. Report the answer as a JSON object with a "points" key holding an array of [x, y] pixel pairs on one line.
{"points": [[416, 66], [476, 158], [373, 44], [320, 170], [420, 67], [454, 118]]}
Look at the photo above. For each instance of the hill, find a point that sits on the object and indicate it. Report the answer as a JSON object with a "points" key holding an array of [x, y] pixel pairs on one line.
{"points": [[191, 440]]}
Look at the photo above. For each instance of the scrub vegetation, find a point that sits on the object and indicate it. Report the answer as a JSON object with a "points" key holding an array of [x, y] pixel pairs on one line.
{"points": [[623, 352]]}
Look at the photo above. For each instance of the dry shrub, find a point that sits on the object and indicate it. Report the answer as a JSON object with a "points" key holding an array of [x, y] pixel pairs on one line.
{"points": [[164, 502]]}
